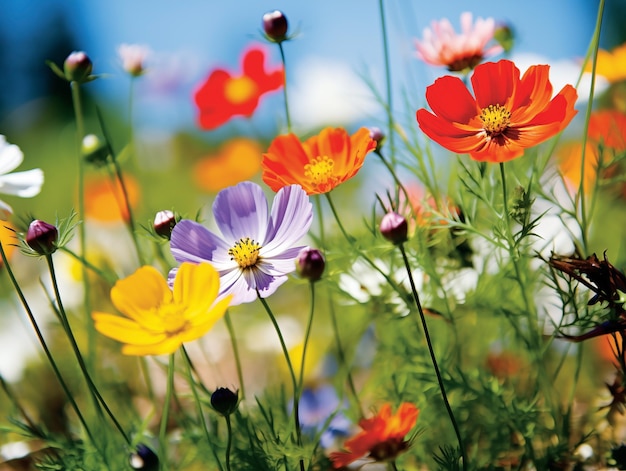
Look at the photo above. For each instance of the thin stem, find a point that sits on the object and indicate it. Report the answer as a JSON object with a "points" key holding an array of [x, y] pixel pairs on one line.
{"points": [[393, 174], [196, 398], [229, 442], [166, 410], [392, 465], [233, 342], [110, 279], [16, 403], [390, 120], [145, 371], [348, 237], [98, 399], [433, 358], [80, 133], [44, 345], [282, 58], [307, 336], [342, 357], [296, 405]]}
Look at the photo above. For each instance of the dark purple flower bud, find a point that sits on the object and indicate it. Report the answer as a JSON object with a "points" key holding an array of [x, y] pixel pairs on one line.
{"points": [[224, 401], [77, 67], [378, 136], [394, 228], [275, 25], [164, 222], [42, 237], [144, 459], [310, 264]]}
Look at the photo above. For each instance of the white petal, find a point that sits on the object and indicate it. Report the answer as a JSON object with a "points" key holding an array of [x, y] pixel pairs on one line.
{"points": [[25, 184], [5, 211], [10, 156]]}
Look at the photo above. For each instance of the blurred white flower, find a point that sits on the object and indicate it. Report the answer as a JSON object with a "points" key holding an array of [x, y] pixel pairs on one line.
{"points": [[24, 184], [133, 58]]}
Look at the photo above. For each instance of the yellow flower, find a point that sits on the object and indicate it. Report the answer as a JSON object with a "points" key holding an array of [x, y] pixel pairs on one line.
{"points": [[159, 320], [611, 65]]}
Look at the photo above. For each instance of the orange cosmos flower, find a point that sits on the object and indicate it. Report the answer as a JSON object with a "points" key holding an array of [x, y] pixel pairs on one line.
{"points": [[611, 65], [224, 95], [318, 164], [507, 114], [104, 200], [382, 438], [606, 138], [238, 160]]}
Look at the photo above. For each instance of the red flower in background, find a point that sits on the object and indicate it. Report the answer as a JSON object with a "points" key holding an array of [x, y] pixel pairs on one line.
{"points": [[505, 116], [224, 95]]}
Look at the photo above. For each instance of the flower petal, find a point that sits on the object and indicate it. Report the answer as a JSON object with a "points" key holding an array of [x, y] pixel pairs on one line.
{"points": [[24, 184], [449, 99], [125, 330], [192, 242], [167, 346], [241, 211], [11, 156], [292, 214], [494, 83], [283, 163]]}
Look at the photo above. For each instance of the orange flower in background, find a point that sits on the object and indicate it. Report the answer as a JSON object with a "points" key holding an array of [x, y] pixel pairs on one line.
{"points": [[8, 239], [104, 200], [506, 115], [318, 164], [606, 137], [382, 438], [611, 65], [238, 160], [224, 95]]}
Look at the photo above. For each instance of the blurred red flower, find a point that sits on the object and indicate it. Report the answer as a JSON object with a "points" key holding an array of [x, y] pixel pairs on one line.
{"points": [[224, 95], [382, 438], [506, 116]]}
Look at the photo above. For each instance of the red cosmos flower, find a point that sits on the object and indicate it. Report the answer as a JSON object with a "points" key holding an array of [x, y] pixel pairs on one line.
{"points": [[507, 114], [225, 95], [382, 438]]}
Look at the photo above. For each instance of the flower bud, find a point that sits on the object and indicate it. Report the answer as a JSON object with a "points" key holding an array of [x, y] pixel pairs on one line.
{"points": [[275, 25], [310, 264], [505, 36], [133, 57], [94, 150], [378, 136], [77, 67], [164, 223], [144, 458], [394, 227], [42, 237], [224, 401]]}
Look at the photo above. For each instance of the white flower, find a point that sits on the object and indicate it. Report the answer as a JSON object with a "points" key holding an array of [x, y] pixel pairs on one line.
{"points": [[24, 184], [133, 57]]}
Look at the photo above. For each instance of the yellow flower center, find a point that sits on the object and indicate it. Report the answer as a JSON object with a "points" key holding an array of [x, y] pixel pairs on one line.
{"points": [[320, 171], [239, 89], [173, 318], [245, 252], [496, 119]]}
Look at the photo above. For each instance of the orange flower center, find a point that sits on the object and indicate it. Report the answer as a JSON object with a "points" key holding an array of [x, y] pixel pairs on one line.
{"points": [[239, 89], [174, 321], [245, 252], [496, 119], [320, 171]]}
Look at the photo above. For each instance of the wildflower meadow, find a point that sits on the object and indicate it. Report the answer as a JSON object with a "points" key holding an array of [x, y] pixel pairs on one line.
{"points": [[435, 284]]}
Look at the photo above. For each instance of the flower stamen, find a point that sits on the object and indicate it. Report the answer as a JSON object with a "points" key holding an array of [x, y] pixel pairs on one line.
{"points": [[496, 119], [320, 171], [245, 252], [240, 89]]}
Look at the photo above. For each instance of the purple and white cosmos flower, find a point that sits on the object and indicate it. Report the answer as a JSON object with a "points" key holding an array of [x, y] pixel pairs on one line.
{"points": [[256, 250]]}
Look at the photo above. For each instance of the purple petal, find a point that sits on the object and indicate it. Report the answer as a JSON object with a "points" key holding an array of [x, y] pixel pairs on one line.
{"points": [[192, 242], [267, 284], [241, 290], [292, 213], [241, 211], [280, 264]]}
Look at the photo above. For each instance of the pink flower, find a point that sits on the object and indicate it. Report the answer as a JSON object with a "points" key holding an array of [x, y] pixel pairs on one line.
{"points": [[443, 46], [133, 58]]}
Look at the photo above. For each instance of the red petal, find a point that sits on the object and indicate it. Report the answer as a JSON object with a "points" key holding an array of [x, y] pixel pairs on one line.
{"points": [[494, 83], [450, 99]]}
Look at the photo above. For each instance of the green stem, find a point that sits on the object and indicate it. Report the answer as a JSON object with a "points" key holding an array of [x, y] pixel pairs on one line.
{"points": [[296, 405], [233, 342], [392, 465], [229, 443], [97, 397], [80, 134], [110, 279], [196, 398], [307, 336], [44, 345], [394, 176], [166, 411], [433, 358], [282, 58], [390, 121]]}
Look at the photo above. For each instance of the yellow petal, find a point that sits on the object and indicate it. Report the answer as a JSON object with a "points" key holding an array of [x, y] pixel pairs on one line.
{"points": [[210, 317], [170, 345], [125, 330], [139, 294], [196, 286]]}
